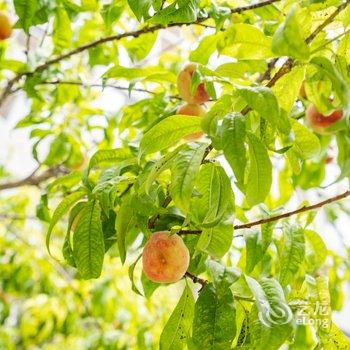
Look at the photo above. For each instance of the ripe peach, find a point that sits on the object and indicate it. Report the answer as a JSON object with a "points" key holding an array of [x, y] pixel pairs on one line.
{"points": [[5, 27], [319, 122], [192, 109], [184, 86], [165, 258]]}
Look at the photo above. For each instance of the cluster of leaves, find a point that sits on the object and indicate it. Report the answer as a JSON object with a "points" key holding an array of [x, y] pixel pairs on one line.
{"points": [[143, 177]]}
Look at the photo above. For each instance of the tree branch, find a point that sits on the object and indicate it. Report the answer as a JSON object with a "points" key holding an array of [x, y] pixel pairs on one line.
{"points": [[279, 217], [196, 279], [294, 212], [134, 34], [35, 180], [329, 20], [117, 87]]}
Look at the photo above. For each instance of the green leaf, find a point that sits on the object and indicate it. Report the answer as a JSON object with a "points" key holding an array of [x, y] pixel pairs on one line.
{"points": [[204, 50], [292, 254], [159, 166], [214, 324], [244, 41], [176, 330], [25, 10], [131, 275], [315, 250], [154, 74], [340, 86], [216, 196], [259, 176], [59, 150], [181, 11], [88, 243], [107, 191], [125, 222], [216, 240], [266, 337], [62, 209], [148, 286], [266, 235], [183, 174], [167, 132], [254, 251], [218, 111], [265, 103], [288, 86], [67, 249], [62, 32], [223, 276], [306, 143], [233, 135], [140, 8], [109, 155], [241, 68], [335, 339], [138, 48], [288, 39]]}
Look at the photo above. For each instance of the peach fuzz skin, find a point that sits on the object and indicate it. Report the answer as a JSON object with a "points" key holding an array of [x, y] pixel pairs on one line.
{"points": [[319, 122], [192, 109], [165, 258], [184, 86], [5, 27]]}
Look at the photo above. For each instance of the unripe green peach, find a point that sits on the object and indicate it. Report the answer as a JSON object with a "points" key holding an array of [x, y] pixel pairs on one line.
{"points": [[5, 27], [192, 109], [165, 258], [184, 86]]}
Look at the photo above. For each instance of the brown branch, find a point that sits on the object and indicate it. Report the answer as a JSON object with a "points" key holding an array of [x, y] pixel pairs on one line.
{"points": [[294, 212], [134, 34], [196, 279], [281, 216], [328, 21], [33, 179]]}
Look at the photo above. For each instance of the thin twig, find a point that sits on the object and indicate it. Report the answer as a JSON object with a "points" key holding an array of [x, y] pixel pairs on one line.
{"points": [[34, 179], [153, 220], [328, 21], [79, 83], [17, 217], [117, 87]]}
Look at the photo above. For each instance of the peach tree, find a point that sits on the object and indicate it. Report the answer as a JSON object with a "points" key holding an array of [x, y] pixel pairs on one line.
{"points": [[187, 136]]}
